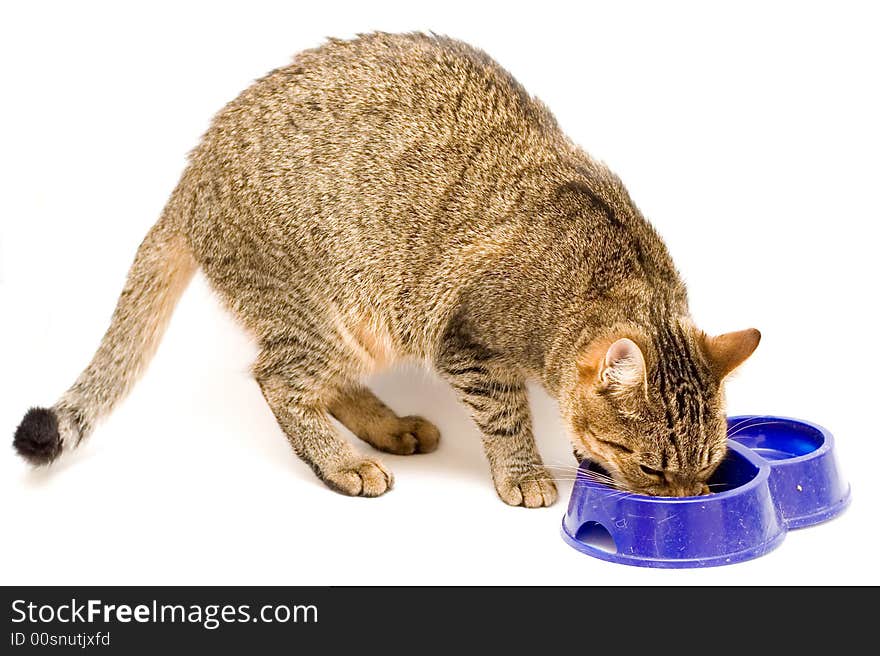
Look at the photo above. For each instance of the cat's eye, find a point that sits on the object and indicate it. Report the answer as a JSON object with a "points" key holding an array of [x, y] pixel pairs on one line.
{"points": [[650, 471]]}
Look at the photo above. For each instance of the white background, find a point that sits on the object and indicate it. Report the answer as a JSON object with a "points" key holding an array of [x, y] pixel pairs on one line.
{"points": [[748, 135]]}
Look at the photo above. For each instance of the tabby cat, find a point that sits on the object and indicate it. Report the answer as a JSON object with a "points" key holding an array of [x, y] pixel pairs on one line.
{"points": [[403, 197]]}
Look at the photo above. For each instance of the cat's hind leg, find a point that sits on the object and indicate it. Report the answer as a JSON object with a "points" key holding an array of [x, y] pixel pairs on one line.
{"points": [[358, 409], [294, 382]]}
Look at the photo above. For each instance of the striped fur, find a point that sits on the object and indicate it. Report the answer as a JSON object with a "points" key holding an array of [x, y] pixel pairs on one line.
{"points": [[402, 196]]}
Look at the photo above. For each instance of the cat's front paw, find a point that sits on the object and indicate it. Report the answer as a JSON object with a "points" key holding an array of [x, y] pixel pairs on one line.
{"points": [[363, 477], [533, 490]]}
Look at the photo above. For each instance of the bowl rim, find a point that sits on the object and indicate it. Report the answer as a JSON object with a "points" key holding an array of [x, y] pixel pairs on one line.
{"points": [[818, 452]]}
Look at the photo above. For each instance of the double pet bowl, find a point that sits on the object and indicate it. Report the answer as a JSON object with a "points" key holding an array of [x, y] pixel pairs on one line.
{"points": [[779, 473]]}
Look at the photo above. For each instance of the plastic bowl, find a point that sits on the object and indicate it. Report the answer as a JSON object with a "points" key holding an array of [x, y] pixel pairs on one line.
{"points": [[805, 479], [779, 473]]}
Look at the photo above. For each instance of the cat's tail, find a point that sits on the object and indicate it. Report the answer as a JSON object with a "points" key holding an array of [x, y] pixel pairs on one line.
{"points": [[161, 271]]}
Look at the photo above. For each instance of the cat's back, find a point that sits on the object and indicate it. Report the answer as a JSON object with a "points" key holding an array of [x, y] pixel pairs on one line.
{"points": [[392, 160], [389, 143], [414, 165], [378, 99], [413, 76]]}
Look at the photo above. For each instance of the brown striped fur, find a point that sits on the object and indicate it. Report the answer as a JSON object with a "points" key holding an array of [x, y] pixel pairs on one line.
{"points": [[402, 196]]}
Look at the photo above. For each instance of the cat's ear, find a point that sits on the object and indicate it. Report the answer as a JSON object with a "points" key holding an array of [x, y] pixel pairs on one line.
{"points": [[726, 352], [624, 364], [618, 366]]}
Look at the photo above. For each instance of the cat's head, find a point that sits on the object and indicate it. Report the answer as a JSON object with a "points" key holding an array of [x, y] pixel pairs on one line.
{"points": [[649, 406]]}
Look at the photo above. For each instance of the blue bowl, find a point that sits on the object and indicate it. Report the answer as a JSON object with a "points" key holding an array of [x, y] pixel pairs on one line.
{"points": [[805, 480], [779, 473]]}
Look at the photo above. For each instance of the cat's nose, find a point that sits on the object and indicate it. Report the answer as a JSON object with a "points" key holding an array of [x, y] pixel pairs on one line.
{"points": [[688, 489], [696, 490]]}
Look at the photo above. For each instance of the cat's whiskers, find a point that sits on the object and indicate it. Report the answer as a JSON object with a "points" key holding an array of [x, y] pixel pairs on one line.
{"points": [[739, 423], [742, 427]]}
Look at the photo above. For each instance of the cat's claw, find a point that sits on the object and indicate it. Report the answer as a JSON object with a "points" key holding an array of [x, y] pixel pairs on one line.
{"points": [[361, 478], [534, 490]]}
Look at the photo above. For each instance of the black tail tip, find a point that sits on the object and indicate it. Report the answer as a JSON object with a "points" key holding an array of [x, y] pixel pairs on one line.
{"points": [[37, 439]]}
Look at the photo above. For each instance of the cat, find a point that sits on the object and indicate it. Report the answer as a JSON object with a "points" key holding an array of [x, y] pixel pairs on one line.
{"points": [[400, 197]]}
